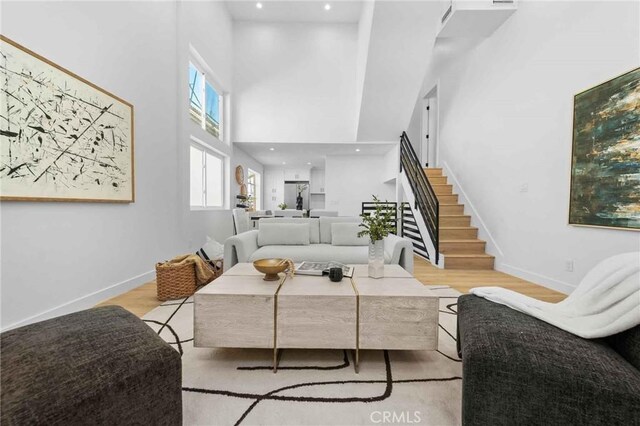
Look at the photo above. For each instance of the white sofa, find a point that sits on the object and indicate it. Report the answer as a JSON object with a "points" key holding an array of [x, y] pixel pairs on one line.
{"points": [[288, 213], [317, 246], [321, 213]]}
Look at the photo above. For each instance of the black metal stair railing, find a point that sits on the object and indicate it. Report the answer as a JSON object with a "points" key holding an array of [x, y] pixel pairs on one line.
{"points": [[368, 207], [426, 201], [409, 228]]}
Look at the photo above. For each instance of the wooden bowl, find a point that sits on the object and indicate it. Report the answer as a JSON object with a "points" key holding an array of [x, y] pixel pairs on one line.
{"points": [[270, 267]]}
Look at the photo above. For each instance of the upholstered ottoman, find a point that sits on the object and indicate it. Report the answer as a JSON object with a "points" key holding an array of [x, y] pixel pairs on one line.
{"points": [[99, 366]]}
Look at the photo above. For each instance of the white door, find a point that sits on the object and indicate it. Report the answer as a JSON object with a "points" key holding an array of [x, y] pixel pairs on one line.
{"points": [[424, 134], [430, 129]]}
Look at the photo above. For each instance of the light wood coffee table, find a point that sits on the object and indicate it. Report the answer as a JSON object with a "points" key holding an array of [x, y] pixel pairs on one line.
{"points": [[241, 310]]}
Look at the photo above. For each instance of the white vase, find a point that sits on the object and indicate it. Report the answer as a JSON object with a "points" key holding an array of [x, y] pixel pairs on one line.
{"points": [[376, 259]]}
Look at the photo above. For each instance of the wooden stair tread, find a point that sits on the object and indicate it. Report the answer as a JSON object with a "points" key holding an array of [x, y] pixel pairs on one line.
{"points": [[458, 227], [463, 241], [470, 255], [454, 215]]}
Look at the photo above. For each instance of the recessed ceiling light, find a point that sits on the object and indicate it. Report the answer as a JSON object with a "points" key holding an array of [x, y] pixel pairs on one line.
{"points": [[272, 149], [357, 149], [327, 6], [284, 162], [309, 163], [259, 5]]}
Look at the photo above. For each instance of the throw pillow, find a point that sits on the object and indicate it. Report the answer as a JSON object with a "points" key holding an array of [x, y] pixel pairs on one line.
{"points": [[273, 234], [346, 234], [211, 252]]}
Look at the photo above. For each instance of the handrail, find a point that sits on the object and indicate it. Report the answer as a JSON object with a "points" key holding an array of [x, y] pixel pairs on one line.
{"points": [[426, 201]]}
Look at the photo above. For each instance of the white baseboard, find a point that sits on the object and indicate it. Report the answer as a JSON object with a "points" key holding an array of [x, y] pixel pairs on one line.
{"points": [[482, 227], [536, 278], [87, 301]]}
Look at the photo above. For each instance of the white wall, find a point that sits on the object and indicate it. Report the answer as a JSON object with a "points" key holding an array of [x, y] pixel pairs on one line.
{"points": [[506, 121], [400, 43], [414, 129], [61, 257], [350, 180], [294, 82], [316, 187], [241, 158], [364, 36], [54, 253], [207, 28]]}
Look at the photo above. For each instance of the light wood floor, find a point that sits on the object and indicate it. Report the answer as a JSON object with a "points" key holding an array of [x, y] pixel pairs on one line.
{"points": [[143, 299]]}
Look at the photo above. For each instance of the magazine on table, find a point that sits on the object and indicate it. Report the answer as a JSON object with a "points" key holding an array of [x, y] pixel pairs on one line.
{"points": [[322, 268]]}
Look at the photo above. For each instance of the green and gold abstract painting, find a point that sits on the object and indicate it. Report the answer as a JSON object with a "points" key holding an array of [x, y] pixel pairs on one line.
{"points": [[605, 167]]}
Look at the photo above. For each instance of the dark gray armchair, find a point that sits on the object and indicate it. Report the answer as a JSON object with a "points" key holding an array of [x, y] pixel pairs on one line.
{"points": [[518, 370], [99, 366]]}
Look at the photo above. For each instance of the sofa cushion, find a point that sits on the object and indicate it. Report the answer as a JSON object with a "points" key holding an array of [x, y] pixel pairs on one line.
{"points": [[314, 225], [346, 234], [325, 226], [283, 234], [317, 253]]}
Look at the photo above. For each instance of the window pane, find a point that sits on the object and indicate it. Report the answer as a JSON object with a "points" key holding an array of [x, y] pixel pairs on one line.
{"points": [[212, 110], [215, 188], [196, 91], [196, 181]]}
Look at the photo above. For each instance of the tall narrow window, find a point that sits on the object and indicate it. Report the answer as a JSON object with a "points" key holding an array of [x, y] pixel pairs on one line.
{"points": [[254, 189], [205, 102], [207, 178], [212, 118], [196, 93]]}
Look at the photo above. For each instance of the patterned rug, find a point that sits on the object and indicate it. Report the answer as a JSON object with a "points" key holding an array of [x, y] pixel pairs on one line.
{"points": [[315, 387]]}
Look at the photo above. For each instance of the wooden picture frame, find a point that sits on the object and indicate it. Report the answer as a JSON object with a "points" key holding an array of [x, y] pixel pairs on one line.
{"points": [[605, 161], [63, 138]]}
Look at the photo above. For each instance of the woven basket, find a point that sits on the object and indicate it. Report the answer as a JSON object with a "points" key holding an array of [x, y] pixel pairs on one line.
{"points": [[175, 280]]}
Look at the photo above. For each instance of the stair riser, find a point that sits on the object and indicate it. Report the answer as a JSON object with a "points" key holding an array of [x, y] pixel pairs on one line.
{"points": [[458, 234], [455, 209], [433, 172], [455, 221], [462, 247], [438, 180], [443, 189], [468, 263], [448, 199]]}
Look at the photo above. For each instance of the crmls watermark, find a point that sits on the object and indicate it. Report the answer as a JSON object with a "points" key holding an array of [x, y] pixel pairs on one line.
{"points": [[395, 417]]}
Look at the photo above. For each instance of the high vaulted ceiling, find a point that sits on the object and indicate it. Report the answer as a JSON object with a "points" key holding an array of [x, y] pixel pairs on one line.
{"points": [[296, 11], [395, 42]]}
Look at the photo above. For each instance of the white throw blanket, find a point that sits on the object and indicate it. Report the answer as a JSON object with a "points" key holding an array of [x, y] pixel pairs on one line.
{"points": [[606, 302]]}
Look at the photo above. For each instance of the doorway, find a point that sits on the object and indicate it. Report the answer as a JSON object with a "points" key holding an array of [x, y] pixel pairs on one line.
{"points": [[429, 129]]}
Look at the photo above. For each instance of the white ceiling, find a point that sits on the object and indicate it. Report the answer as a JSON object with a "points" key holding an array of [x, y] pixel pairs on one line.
{"points": [[300, 154], [342, 11], [397, 60]]}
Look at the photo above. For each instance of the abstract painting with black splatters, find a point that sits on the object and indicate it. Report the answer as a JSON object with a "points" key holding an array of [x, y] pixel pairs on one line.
{"points": [[60, 138], [605, 172]]}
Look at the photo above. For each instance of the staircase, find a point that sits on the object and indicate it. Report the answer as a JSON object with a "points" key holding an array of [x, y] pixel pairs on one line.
{"points": [[411, 230], [458, 239]]}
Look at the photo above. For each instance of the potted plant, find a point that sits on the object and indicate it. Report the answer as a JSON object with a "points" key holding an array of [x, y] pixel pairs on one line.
{"points": [[377, 225], [282, 206]]}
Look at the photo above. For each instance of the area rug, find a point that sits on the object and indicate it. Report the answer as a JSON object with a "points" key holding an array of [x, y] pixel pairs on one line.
{"points": [[315, 387]]}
